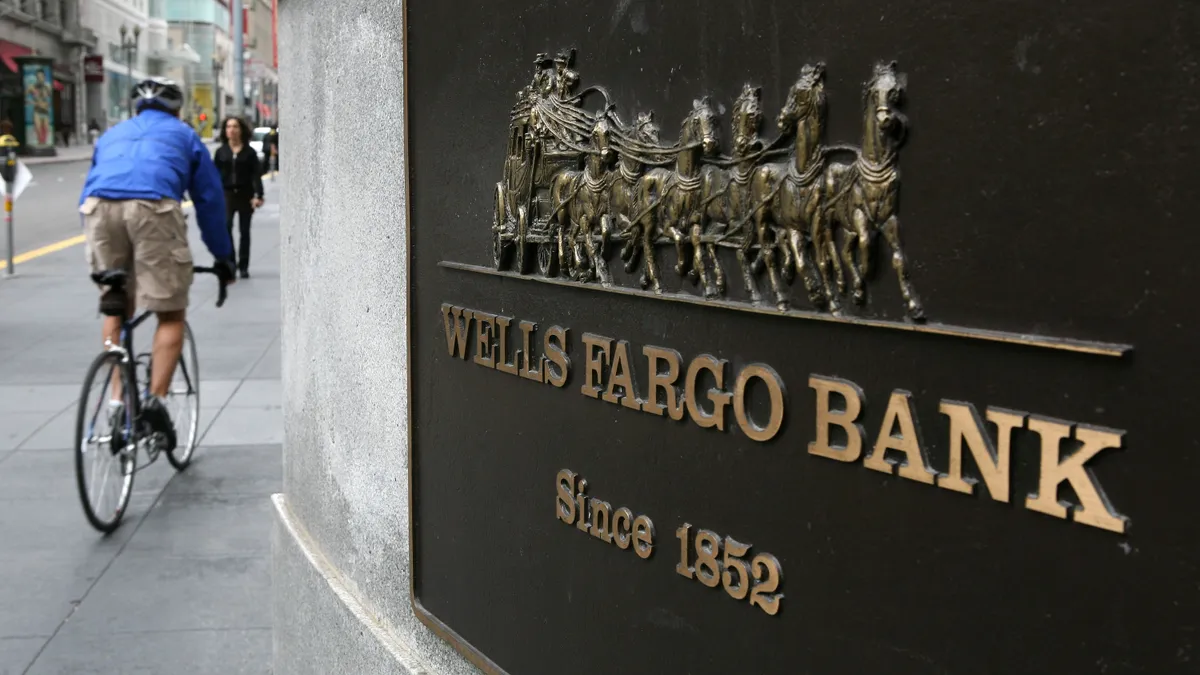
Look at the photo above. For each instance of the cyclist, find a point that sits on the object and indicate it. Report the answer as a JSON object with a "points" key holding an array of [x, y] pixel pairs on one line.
{"points": [[133, 221]]}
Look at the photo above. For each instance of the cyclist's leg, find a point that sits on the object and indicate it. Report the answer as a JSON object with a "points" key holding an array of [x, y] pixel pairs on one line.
{"points": [[168, 345], [164, 270], [108, 247]]}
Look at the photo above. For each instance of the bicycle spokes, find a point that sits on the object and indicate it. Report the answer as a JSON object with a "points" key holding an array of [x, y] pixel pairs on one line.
{"points": [[104, 460]]}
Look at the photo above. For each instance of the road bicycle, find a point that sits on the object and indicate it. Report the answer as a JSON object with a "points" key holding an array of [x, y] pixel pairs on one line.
{"points": [[109, 433]]}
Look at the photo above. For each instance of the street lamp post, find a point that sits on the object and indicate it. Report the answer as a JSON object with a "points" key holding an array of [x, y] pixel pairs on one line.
{"points": [[218, 68], [129, 48]]}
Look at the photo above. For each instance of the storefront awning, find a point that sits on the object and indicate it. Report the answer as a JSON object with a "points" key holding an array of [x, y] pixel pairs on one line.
{"points": [[11, 50]]}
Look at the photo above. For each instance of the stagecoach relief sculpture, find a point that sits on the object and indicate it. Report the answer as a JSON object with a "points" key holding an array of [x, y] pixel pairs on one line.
{"points": [[580, 182]]}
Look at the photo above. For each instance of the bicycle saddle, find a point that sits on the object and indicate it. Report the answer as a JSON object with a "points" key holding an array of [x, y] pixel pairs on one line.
{"points": [[112, 278]]}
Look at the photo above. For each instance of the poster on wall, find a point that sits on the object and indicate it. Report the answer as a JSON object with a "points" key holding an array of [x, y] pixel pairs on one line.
{"points": [[39, 105]]}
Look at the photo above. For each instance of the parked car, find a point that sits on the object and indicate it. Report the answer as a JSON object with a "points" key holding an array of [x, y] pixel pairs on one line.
{"points": [[256, 141]]}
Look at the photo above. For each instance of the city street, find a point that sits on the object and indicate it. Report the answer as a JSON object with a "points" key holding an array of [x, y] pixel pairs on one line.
{"points": [[183, 586], [46, 212]]}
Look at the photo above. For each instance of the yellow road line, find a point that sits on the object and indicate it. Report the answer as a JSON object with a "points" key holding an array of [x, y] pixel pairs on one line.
{"points": [[65, 243], [39, 252]]}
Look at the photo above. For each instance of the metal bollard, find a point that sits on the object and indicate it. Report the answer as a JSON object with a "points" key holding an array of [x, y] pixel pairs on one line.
{"points": [[8, 171]]}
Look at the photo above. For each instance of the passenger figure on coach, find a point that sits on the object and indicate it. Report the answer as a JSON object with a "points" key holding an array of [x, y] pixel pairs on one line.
{"points": [[241, 175]]}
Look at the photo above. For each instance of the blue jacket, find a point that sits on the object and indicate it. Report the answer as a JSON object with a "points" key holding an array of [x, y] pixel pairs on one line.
{"points": [[156, 156]]}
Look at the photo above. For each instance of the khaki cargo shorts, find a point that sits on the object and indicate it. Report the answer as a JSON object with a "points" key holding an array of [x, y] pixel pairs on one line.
{"points": [[147, 238]]}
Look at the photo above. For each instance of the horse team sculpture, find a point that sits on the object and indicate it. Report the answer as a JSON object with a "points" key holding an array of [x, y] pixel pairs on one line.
{"points": [[577, 182]]}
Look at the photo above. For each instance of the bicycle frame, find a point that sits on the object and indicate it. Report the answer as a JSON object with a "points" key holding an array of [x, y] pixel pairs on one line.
{"points": [[133, 407]]}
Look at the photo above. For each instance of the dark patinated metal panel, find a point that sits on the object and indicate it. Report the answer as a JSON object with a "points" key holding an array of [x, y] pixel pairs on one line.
{"points": [[978, 459]]}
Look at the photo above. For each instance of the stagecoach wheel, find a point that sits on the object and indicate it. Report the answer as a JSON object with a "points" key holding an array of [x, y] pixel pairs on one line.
{"points": [[522, 263], [498, 257], [499, 253]]}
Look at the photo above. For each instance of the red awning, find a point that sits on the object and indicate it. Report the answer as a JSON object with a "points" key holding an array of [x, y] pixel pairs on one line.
{"points": [[9, 50]]}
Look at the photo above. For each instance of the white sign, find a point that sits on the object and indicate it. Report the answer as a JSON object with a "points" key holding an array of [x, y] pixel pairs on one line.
{"points": [[22, 180]]}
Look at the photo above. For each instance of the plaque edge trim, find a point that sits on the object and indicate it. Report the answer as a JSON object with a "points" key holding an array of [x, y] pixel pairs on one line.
{"points": [[426, 617], [1091, 347]]}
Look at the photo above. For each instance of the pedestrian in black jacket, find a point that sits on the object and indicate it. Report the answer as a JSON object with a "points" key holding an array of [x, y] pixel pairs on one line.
{"points": [[241, 175], [273, 138]]}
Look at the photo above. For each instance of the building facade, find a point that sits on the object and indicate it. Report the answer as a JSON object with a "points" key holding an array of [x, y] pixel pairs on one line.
{"points": [[185, 40], [124, 60], [50, 29], [262, 64], [94, 64], [204, 26]]}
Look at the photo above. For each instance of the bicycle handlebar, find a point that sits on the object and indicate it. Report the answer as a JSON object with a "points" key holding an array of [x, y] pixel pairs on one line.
{"points": [[221, 294]]}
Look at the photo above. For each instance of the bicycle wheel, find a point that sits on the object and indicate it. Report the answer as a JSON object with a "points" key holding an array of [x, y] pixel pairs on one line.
{"points": [[105, 449], [183, 402]]}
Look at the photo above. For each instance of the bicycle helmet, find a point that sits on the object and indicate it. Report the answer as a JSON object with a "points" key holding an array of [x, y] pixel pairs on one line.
{"points": [[158, 92]]}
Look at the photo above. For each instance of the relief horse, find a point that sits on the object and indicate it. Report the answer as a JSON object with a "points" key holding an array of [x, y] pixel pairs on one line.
{"points": [[726, 195], [863, 197], [738, 202], [671, 199], [679, 191], [800, 195], [788, 194], [634, 221], [581, 205]]}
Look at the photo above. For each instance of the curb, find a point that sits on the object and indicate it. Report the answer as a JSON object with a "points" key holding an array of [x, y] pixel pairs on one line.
{"points": [[58, 159], [38, 161]]}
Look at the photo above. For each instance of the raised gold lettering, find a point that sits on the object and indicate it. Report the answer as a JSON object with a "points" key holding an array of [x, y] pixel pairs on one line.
{"points": [[775, 392], [601, 514], [483, 339], [992, 459], [525, 356], [502, 363], [565, 504], [1094, 508], [456, 329], [643, 537], [581, 506], [664, 381], [595, 355], [556, 354], [846, 418], [720, 399], [622, 527], [622, 376], [899, 412], [597, 517]]}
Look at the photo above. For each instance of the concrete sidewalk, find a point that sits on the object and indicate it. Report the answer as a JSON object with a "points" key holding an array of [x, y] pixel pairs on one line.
{"points": [[183, 586]]}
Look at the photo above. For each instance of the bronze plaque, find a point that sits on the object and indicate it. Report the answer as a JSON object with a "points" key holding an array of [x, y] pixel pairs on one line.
{"points": [[794, 413]]}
